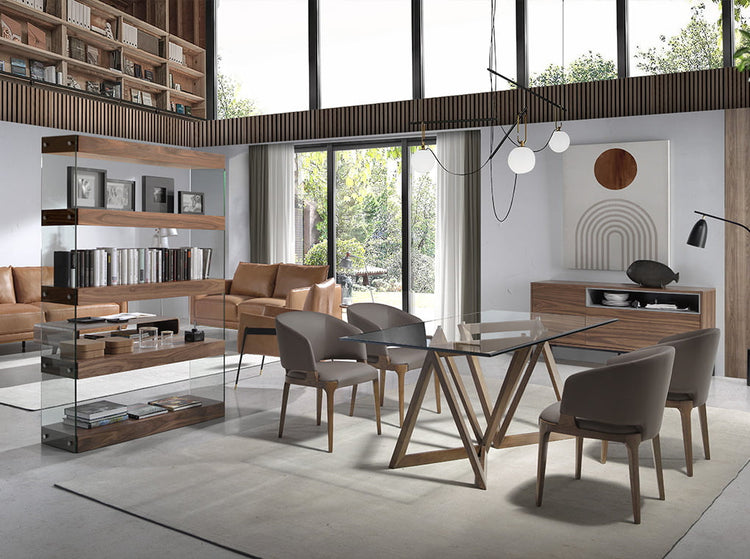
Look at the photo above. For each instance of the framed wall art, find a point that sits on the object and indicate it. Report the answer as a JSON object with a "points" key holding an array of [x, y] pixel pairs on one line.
{"points": [[86, 187], [190, 202], [119, 195], [158, 194]]}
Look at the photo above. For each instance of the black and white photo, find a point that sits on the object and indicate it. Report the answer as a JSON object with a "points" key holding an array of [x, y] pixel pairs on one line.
{"points": [[158, 194], [85, 187], [119, 195], [190, 202]]}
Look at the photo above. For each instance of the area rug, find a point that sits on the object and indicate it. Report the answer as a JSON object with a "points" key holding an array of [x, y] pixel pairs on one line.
{"points": [[245, 489]]}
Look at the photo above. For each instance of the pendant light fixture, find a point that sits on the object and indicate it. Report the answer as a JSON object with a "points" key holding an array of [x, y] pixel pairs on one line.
{"points": [[521, 159], [423, 160], [559, 141]]}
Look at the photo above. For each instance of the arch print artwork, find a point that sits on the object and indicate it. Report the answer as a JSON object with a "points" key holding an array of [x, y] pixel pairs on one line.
{"points": [[615, 205]]}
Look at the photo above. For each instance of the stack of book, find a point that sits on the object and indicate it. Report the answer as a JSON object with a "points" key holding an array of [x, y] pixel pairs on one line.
{"points": [[95, 414], [142, 411], [176, 403]]}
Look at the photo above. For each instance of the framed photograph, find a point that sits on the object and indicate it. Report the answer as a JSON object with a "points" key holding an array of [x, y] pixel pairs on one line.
{"points": [[146, 98], [148, 75], [119, 195], [135, 96], [158, 194], [190, 202], [86, 187]]}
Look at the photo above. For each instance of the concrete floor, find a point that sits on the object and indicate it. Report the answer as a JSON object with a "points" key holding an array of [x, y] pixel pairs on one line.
{"points": [[39, 521]]}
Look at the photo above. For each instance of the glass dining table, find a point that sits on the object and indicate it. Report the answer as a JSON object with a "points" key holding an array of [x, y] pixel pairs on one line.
{"points": [[486, 334]]}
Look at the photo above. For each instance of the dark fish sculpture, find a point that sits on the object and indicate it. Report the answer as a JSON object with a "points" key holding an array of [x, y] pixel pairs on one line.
{"points": [[650, 273]]}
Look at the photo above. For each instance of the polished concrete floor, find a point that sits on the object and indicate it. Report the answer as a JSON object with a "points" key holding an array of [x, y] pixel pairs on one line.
{"points": [[39, 521]]}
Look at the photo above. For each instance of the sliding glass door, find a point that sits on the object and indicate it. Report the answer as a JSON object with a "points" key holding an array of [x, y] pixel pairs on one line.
{"points": [[381, 219]]}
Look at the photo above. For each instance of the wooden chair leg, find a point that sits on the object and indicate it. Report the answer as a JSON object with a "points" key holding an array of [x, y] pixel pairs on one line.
{"points": [[685, 408], [382, 386], [354, 399], [401, 375], [704, 431], [656, 445], [632, 444], [319, 404], [544, 434], [284, 399], [329, 411], [375, 391], [605, 447], [437, 394], [579, 456]]}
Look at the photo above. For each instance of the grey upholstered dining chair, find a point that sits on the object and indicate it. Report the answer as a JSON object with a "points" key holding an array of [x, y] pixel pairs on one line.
{"points": [[695, 355], [313, 355], [370, 317], [622, 401]]}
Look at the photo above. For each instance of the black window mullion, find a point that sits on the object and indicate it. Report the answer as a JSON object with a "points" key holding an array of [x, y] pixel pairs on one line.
{"points": [[331, 176], [522, 59], [313, 52], [405, 227], [727, 28], [417, 58], [211, 62], [623, 59]]}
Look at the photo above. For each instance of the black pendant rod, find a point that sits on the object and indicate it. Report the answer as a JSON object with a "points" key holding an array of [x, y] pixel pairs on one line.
{"points": [[704, 214], [519, 86]]}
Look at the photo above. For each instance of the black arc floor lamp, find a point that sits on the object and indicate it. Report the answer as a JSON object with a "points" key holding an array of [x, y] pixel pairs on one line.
{"points": [[697, 238]]}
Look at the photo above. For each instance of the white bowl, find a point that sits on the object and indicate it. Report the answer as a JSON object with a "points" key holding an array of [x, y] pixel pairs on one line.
{"points": [[617, 297]]}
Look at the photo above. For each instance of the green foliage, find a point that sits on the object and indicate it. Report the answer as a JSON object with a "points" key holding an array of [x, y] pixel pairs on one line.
{"points": [[229, 103], [742, 54], [318, 253], [696, 47], [586, 68]]}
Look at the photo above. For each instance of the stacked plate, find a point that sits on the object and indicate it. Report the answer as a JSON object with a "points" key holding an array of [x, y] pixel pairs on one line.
{"points": [[616, 299]]}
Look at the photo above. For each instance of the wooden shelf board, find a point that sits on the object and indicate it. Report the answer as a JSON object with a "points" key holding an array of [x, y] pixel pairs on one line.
{"points": [[22, 49], [143, 84], [119, 218], [186, 45], [23, 11], [138, 359], [80, 440], [142, 55], [185, 95], [142, 25], [177, 68], [134, 292], [131, 152], [86, 68], [92, 37]]}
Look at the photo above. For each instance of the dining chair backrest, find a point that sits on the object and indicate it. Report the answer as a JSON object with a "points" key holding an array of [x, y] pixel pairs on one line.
{"points": [[306, 337], [695, 356], [630, 390], [371, 317]]}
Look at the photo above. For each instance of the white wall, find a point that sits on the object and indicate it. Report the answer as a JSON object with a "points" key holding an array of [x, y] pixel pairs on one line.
{"points": [[528, 246]]}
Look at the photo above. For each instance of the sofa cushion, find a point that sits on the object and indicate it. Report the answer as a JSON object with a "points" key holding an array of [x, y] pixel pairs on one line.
{"points": [[18, 317], [219, 307], [54, 312], [254, 280], [291, 276], [27, 281], [258, 305], [321, 297], [7, 293]]}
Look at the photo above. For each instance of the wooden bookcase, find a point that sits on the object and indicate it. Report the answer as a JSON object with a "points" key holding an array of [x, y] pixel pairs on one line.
{"points": [[70, 229], [635, 327], [109, 53]]}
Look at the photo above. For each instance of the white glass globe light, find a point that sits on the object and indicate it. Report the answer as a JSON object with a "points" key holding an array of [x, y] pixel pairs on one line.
{"points": [[559, 141], [521, 160], [422, 161]]}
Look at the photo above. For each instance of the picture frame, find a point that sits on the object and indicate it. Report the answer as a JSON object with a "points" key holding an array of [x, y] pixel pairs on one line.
{"points": [[86, 187], [146, 99], [119, 195], [190, 202], [158, 194]]}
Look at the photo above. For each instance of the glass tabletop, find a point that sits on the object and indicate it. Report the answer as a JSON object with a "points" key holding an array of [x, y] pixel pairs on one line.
{"points": [[484, 334]]}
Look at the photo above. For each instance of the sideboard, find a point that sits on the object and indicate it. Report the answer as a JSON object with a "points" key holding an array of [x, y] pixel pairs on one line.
{"points": [[636, 327]]}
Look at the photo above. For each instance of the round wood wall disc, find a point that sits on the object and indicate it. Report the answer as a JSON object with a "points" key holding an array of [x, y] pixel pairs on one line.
{"points": [[615, 169]]}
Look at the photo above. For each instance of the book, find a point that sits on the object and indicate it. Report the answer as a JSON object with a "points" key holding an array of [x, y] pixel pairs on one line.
{"points": [[18, 66], [96, 410], [11, 29], [36, 70], [95, 423], [35, 37], [176, 403], [141, 411], [92, 55], [76, 49]]}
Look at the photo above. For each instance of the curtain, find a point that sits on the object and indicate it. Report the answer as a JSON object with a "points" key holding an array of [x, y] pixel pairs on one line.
{"points": [[281, 203], [449, 249], [258, 204]]}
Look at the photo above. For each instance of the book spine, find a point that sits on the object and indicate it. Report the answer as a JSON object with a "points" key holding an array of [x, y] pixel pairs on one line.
{"points": [[141, 265], [63, 269]]}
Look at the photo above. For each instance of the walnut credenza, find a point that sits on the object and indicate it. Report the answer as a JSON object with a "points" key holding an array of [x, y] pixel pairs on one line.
{"points": [[635, 327]]}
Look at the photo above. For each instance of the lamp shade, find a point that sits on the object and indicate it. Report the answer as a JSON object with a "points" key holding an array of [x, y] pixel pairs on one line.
{"points": [[698, 234], [422, 161], [521, 160], [559, 141]]}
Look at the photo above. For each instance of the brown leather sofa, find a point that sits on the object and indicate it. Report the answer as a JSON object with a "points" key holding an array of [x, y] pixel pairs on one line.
{"points": [[256, 287], [21, 303]]}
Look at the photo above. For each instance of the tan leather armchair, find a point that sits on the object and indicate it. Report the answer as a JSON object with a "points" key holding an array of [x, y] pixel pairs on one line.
{"points": [[260, 339]]}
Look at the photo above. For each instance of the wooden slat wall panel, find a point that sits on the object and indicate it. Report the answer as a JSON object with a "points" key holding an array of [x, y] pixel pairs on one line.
{"points": [[723, 88], [736, 242], [26, 104]]}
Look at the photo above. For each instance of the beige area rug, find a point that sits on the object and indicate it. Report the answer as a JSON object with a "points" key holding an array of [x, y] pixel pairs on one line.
{"points": [[245, 489], [58, 392]]}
